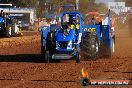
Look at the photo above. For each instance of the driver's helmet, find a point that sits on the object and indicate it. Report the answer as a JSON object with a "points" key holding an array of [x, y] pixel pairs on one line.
{"points": [[72, 19]]}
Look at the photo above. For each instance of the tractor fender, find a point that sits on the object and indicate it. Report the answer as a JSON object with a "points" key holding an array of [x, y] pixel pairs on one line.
{"points": [[91, 28], [44, 33]]}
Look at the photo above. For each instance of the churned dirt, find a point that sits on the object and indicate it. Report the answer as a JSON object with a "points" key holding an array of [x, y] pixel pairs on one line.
{"points": [[22, 66]]}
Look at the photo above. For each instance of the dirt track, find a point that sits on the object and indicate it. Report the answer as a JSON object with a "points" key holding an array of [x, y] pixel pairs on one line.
{"points": [[21, 66]]}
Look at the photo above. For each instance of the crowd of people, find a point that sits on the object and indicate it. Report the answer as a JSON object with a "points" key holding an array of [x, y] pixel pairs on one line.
{"points": [[44, 22]]}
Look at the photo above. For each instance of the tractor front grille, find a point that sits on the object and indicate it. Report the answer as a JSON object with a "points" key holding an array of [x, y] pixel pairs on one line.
{"points": [[63, 44]]}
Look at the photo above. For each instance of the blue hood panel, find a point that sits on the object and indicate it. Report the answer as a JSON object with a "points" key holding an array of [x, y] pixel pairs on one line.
{"points": [[61, 37]]}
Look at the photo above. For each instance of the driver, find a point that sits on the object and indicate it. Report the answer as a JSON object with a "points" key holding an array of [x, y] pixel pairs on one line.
{"points": [[73, 23]]}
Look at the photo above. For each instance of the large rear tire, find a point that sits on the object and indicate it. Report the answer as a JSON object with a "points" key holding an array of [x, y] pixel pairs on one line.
{"points": [[42, 47], [49, 47], [47, 57], [91, 46]]}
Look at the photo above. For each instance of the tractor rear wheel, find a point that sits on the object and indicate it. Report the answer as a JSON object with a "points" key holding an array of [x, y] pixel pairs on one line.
{"points": [[91, 46], [43, 51], [49, 47], [42, 47], [47, 57]]}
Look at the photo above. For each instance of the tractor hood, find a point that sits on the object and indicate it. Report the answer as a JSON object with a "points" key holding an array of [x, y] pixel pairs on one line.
{"points": [[60, 36], [65, 42]]}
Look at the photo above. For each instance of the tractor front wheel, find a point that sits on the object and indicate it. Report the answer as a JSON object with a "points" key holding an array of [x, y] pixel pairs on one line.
{"points": [[77, 57]]}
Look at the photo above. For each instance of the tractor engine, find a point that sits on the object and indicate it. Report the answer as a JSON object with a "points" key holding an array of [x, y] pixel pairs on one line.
{"points": [[65, 39]]}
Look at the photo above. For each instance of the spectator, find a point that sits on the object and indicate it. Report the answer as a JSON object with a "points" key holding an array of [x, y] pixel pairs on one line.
{"points": [[45, 22], [31, 24], [53, 21]]}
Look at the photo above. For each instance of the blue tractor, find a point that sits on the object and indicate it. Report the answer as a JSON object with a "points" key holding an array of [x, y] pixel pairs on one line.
{"points": [[65, 42], [62, 42]]}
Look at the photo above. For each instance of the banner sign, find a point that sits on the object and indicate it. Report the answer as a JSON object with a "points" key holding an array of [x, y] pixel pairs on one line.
{"points": [[116, 6]]}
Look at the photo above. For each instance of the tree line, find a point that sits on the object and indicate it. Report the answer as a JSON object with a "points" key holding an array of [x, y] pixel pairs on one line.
{"points": [[54, 5]]}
